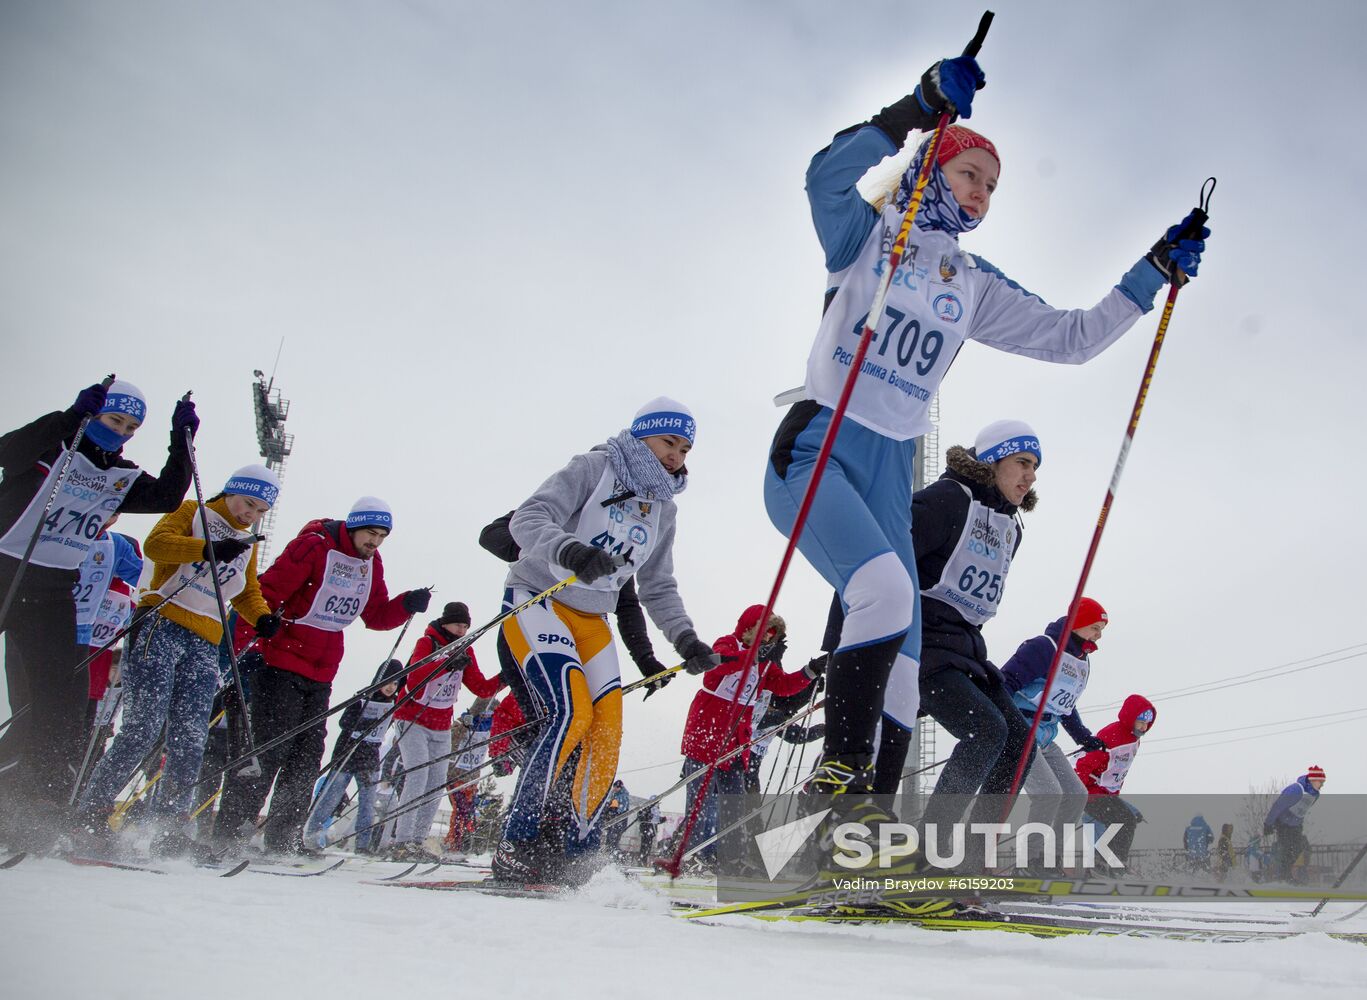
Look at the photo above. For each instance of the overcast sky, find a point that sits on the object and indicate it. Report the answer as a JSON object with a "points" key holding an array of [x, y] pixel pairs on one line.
{"points": [[488, 232]]}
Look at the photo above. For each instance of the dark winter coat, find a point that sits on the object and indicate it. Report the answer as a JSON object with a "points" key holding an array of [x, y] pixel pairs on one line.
{"points": [[292, 581], [1292, 804], [28, 454], [938, 515], [365, 759]]}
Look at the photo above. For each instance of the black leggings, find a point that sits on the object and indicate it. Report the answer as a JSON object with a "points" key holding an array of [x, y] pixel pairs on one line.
{"points": [[45, 745], [991, 732], [280, 700]]}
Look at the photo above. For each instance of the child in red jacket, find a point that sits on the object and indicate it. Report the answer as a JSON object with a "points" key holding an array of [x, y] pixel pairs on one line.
{"points": [[425, 726], [708, 734], [1104, 771]]}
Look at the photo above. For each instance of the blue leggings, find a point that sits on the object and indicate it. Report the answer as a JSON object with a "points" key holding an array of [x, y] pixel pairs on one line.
{"points": [[858, 537], [170, 679]]}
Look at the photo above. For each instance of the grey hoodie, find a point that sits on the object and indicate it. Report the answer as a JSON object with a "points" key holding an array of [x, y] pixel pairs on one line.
{"points": [[550, 517]]}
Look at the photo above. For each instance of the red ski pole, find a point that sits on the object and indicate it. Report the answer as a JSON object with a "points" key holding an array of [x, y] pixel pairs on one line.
{"points": [[875, 317], [1179, 278]]}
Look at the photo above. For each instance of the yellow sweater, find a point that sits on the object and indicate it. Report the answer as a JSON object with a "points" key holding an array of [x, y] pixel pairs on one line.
{"points": [[171, 545]]}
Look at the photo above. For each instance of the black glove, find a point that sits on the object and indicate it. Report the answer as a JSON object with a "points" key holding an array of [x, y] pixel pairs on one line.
{"points": [[461, 662], [772, 651], [225, 550], [650, 668], [1268, 831], [89, 401], [184, 416], [816, 666], [697, 655], [587, 562], [1091, 743], [797, 734], [656, 685], [267, 625], [415, 601]]}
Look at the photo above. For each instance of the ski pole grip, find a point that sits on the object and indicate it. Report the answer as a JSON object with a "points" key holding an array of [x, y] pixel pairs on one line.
{"points": [[1200, 214], [977, 42]]}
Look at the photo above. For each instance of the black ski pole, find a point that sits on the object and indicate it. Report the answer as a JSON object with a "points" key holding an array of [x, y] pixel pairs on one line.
{"points": [[623, 817], [47, 508], [1341, 879], [448, 650], [253, 768], [447, 786], [99, 733]]}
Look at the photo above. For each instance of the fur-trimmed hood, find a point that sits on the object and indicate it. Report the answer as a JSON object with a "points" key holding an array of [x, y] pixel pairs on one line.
{"points": [[961, 463]]}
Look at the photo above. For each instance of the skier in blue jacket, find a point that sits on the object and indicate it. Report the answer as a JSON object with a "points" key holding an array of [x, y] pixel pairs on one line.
{"points": [[858, 532], [1286, 819], [1056, 794]]}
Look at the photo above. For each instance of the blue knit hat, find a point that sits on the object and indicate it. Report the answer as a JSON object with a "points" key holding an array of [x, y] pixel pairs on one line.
{"points": [[370, 512], [125, 397], [255, 481], [1007, 437], [663, 415]]}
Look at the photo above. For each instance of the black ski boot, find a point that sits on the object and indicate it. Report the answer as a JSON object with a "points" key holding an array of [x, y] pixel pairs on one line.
{"points": [[526, 862]]}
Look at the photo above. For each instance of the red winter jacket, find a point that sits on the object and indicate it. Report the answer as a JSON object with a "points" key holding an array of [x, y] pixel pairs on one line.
{"points": [[507, 715], [433, 707], [705, 735], [292, 580], [1103, 771]]}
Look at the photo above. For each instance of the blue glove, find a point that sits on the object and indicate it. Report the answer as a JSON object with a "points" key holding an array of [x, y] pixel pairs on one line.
{"points": [[90, 401], [184, 416], [1179, 248], [949, 86]]}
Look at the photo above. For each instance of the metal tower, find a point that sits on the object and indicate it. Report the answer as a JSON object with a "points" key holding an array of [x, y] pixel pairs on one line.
{"points": [[271, 413], [921, 756]]}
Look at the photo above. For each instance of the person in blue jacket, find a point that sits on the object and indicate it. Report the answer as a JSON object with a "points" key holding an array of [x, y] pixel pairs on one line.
{"points": [[858, 533], [1196, 841], [1286, 819], [1056, 794]]}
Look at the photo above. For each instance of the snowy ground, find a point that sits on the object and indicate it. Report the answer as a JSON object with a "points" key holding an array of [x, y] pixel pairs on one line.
{"points": [[81, 932]]}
